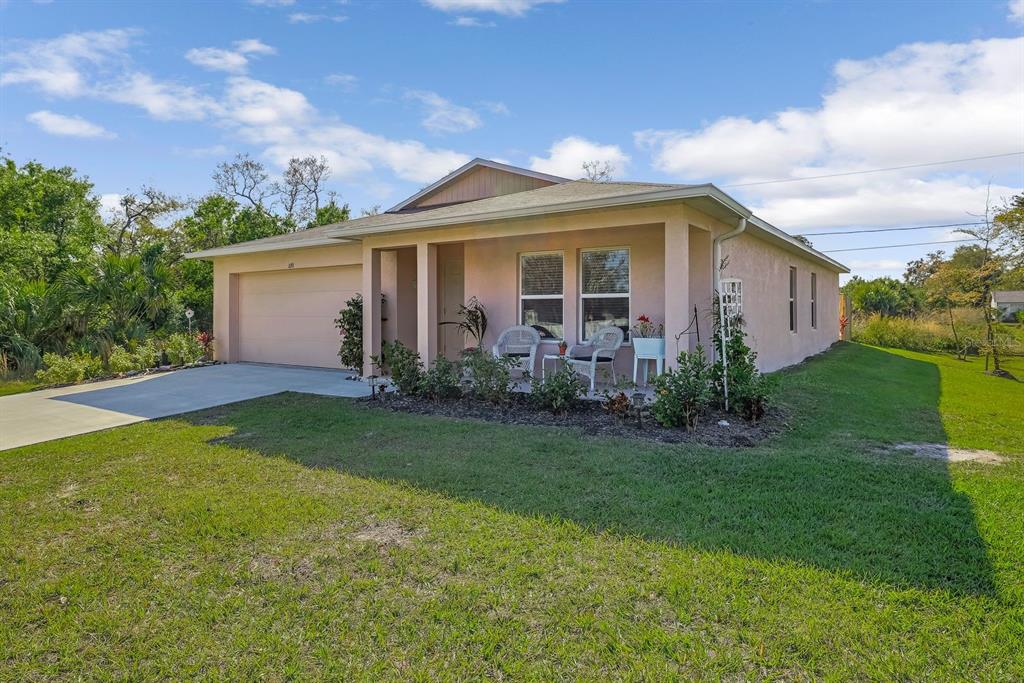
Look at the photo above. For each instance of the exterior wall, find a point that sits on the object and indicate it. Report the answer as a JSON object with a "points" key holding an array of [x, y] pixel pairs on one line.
{"points": [[478, 184], [1008, 310], [670, 273], [764, 270], [492, 275], [226, 271]]}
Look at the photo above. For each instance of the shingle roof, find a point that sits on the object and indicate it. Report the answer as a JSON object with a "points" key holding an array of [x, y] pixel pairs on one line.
{"points": [[568, 196], [1008, 296], [554, 194]]}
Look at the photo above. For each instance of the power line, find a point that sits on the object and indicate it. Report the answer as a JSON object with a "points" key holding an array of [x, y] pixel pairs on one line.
{"points": [[894, 246], [876, 170], [910, 227]]}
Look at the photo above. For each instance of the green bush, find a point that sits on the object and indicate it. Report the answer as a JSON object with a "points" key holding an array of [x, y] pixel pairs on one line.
{"points": [[749, 390], [71, 368], [406, 368], [144, 356], [490, 377], [683, 394], [183, 349], [558, 392], [442, 381], [350, 323]]}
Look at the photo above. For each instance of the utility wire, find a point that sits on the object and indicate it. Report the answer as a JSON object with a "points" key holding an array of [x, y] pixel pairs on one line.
{"points": [[911, 227], [894, 246], [875, 170]]}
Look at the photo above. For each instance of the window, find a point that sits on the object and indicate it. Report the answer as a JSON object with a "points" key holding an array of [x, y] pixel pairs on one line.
{"points": [[732, 298], [814, 300], [604, 290], [541, 293], [792, 299]]}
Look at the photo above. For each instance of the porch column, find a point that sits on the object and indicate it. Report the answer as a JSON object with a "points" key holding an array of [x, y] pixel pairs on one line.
{"points": [[371, 308], [677, 285], [426, 302]]}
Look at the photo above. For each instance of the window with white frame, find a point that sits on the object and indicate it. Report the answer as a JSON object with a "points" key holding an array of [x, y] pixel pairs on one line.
{"points": [[814, 300], [792, 298], [732, 299], [604, 290], [541, 293]]}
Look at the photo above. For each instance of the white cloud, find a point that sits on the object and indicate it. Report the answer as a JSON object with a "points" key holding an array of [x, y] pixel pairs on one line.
{"points": [[444, 116], [162, 100], [471, 22], [346, 82], [1016, 10], [56, 66], [216, 59], [567, 156], [496, 107], [199, 152], [233, 61], [254, 46], [306, 18], [110, 204], [509, 8], [71, 126], [280, 121], [919, 103]]}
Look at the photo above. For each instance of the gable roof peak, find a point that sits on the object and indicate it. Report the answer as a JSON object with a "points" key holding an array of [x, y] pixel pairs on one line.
{"points": [[469, 167]]}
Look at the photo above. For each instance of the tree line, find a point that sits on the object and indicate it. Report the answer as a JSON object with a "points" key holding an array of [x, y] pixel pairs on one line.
{"points": [[72, 279]]}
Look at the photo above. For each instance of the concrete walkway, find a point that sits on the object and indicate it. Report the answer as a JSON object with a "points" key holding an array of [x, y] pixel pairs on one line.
{"points": [[38, 416]]}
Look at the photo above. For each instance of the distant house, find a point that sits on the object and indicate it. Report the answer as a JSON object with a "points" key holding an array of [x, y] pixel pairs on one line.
{"points": [[1008, 303]]}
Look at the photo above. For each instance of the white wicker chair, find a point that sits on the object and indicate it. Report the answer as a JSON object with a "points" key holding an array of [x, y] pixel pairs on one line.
{"points": [[520, 343], [599, 350]]}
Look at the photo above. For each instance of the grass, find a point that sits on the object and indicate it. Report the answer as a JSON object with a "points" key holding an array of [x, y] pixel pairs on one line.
{"points": [[9, 387], [298, 536]]}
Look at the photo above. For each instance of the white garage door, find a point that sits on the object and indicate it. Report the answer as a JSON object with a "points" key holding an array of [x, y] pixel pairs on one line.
{"points": [[287, 316]]}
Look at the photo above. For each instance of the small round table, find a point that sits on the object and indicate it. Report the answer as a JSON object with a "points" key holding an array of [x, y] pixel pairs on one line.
{"points": [[659, 363], [549, 356]]}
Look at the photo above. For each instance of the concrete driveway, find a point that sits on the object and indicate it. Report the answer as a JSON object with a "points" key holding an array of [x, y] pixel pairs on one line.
{"points": [[39, 416]]}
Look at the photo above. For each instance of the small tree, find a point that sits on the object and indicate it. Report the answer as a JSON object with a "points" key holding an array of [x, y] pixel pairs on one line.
{"points": [[1001, 238], [350, 323]]}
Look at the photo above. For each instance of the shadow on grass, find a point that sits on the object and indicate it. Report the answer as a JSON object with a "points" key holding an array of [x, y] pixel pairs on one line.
{"points": [[825, 493]]}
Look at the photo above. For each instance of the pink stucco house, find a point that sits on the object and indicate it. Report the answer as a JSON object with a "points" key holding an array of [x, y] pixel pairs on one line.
{"points": [[565, 256]]}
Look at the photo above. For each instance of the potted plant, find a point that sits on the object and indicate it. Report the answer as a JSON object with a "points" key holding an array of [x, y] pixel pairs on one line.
{"points": [[648, 338]]}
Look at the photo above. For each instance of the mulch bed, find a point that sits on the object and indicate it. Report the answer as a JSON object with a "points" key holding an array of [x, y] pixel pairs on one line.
{"points": [[593, 420]]}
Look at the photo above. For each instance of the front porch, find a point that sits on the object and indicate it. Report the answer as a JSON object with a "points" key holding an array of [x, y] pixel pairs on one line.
{"points": [[564, 277]]}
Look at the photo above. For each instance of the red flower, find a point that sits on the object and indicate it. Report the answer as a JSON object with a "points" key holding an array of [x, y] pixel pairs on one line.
{"points": [[643, 319]]}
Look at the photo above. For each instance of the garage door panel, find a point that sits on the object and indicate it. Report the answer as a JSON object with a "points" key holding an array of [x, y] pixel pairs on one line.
{"points": [[288, 316]]}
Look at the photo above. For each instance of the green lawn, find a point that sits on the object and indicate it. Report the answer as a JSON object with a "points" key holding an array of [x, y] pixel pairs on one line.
{"points": [[297, 536], [16, 386]]}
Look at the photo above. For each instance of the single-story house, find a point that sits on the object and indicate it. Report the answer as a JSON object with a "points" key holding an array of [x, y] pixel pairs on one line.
{"points": [[565, 256], [1008, 302]]}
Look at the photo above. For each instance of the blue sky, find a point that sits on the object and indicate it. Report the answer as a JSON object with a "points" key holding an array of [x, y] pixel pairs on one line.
{"points": [[395, 94]]}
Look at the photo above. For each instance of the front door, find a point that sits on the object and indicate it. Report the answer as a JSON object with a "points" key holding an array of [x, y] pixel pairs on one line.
{"points": [[450, 338]]}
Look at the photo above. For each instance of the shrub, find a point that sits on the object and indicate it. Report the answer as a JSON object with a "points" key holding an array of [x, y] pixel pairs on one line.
{"points": [[144, 356], [406, 368], [683, 394], [558, 392], [749, 391], [490, 377], [182, 349], [441, 381], [350, 323], [71, 368]]}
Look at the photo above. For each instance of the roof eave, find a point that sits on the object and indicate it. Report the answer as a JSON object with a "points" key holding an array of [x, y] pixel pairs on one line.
{"points": [[243, 248]]}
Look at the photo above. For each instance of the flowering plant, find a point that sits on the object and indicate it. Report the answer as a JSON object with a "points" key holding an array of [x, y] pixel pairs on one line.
{"points": [[646, 328]]}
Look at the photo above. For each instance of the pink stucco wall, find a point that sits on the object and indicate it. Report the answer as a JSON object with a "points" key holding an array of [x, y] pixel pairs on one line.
{"points": [[492, 276], [764, 269], [670, 256]]}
